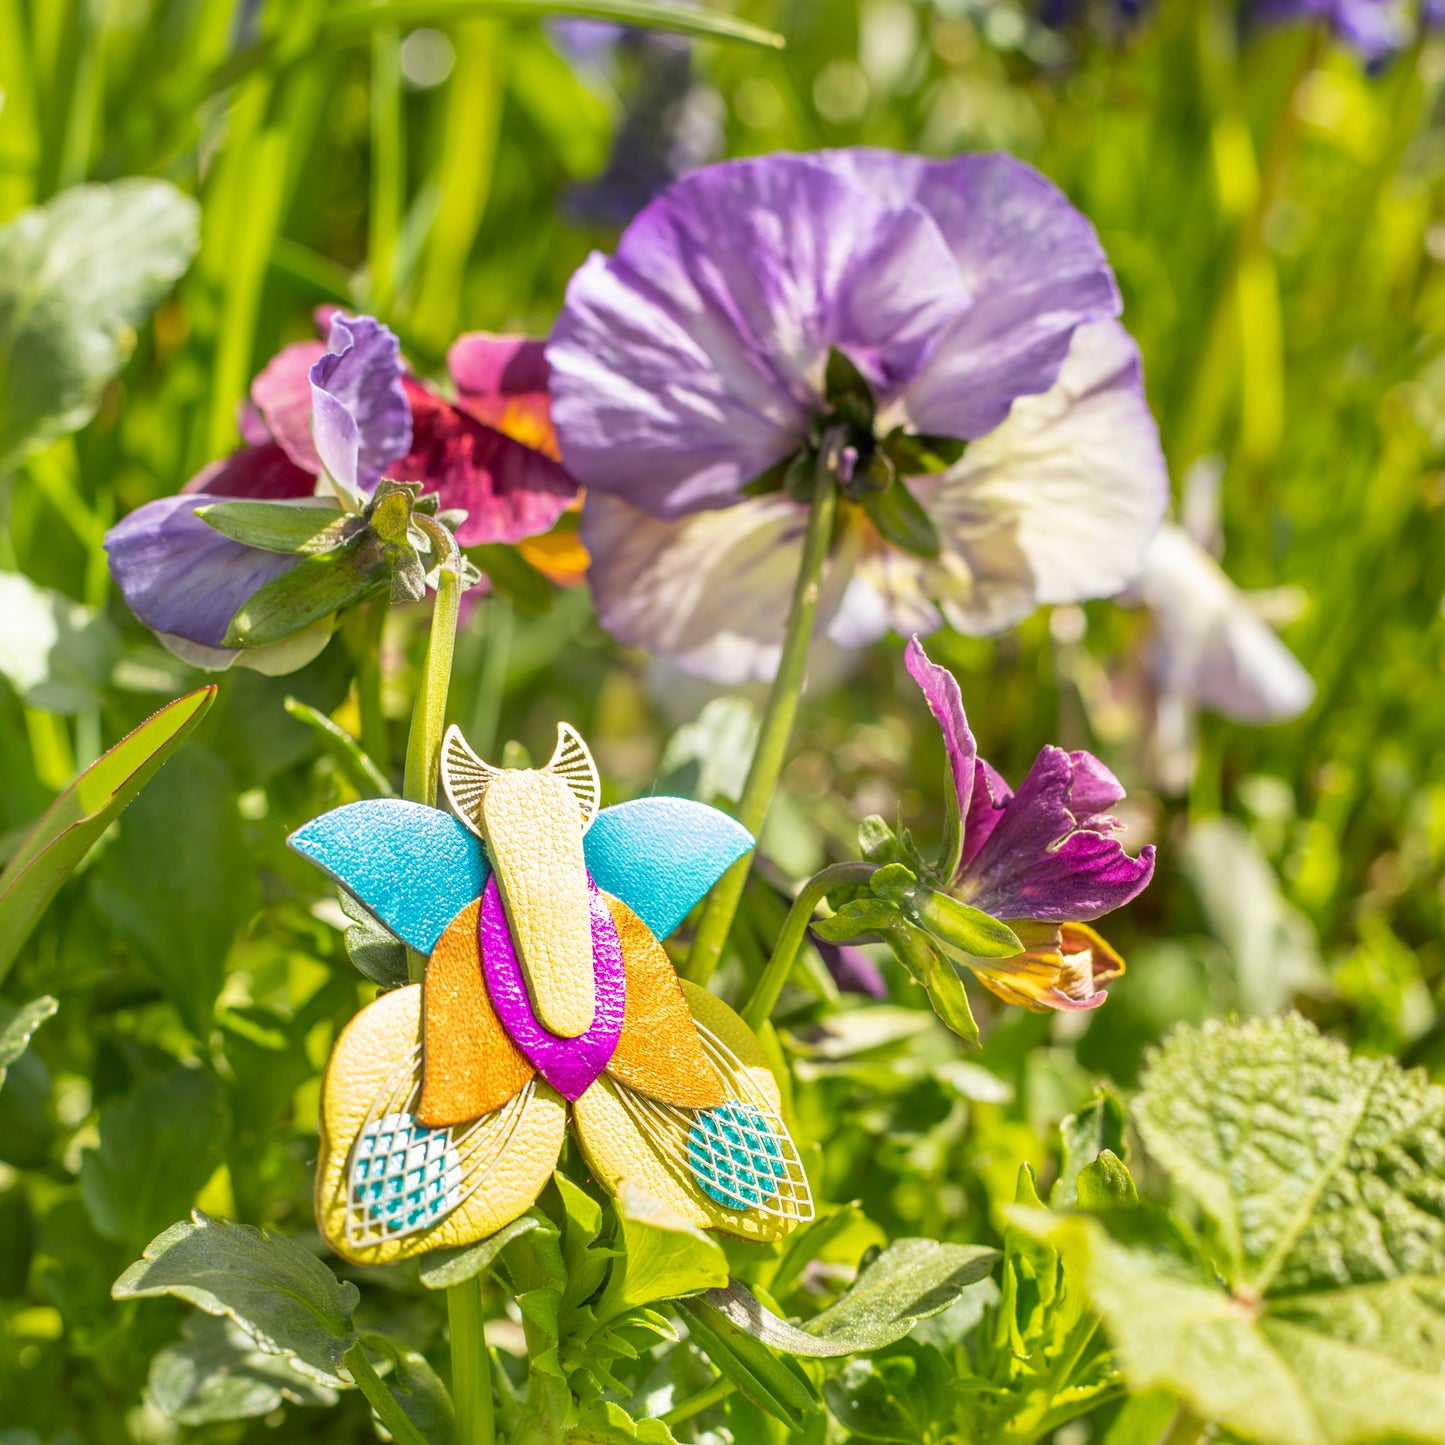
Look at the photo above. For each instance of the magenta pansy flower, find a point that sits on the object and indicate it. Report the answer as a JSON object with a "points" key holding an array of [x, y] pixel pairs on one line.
{"points": [[1046, 859], [328, 421], [1000, 452]]}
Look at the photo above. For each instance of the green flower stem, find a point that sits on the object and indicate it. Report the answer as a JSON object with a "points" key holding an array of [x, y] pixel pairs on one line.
{"points": [[719, 1390], [1186, 1429], [380, 1398], [777, 727], [471, 1365], [795, 927], [374, 741]]}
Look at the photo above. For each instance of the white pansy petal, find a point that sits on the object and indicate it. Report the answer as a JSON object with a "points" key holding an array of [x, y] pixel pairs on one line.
{"points": [[1209, 644], [712, 590], [1060, 502], [892, 591]]}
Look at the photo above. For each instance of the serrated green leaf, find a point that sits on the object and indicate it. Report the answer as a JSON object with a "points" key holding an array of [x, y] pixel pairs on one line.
{"points": [[76, 819], [897, 1397], [300, 528], [1323, 1179], [19, 1029], [608, 1423], [283, 1297], [1099, 1125], [664, 1256], [216, 1372], [78, 277], [158, 1146], [442, 1268]]}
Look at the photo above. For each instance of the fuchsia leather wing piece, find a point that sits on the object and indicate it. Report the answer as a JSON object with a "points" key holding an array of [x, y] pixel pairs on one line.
{"points": [[569, 1065]]}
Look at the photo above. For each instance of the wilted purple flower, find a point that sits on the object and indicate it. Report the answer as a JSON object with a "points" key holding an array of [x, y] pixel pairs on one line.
{"points": [[1046, 860], [1374, 29], [971, 302]]}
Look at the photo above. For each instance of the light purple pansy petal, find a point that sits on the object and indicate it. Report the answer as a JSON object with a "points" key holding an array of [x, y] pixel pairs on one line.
{"points": [[281, 394], [709, 591], [360, 417], [1037, 864], [692, 360], [569, 1065], [1060, 503], [1031, 260], [850, 968], [181, 577], [945, 702]]}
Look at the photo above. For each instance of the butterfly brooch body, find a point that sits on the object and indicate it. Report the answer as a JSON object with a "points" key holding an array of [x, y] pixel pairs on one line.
{"points": [[547, 1001]]}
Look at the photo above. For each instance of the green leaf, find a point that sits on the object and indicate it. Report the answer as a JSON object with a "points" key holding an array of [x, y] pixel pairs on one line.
{"points": [[1106, 1184], [16, 1033], [179, 883], [216, 1372], [587, 1263], [664, 1256], [282, 1296], [305, 528], [56, 653], [739, 1306], [898, 1397], [607, 1423], [1099, 1125], [774, 1384], [861, 918], [900, 519], [158, 1146], [361, 772], [345, 19], [314, 588], [911, 1280], [442, 1268], [1318, 1317], [76, 819], [955, 924], [373, 948], [936, 976], [416, 1387], [78, 277]]}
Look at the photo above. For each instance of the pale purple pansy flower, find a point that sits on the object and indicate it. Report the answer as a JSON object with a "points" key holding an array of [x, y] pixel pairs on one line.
{"points": [[975, 302], [1046, 859], [1373, 29]]}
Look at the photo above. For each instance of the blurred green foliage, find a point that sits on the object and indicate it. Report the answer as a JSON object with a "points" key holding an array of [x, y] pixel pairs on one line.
{"points": [[1276, 217]]}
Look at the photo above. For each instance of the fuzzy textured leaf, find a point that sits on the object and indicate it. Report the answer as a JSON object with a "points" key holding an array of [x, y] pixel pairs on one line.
{"points": [[282, 1296], [1323, 1181]]}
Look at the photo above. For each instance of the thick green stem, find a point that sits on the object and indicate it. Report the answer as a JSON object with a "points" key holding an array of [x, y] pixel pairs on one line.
{"points": [[777, 726], [428, 715], [471, 1365], [718, 1391], [1186, 1428], [380, 1398], [795, 927]]}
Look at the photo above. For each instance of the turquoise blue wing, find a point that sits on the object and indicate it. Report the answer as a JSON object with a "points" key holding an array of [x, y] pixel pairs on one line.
{"points": [[661, 855], [414, 867]]}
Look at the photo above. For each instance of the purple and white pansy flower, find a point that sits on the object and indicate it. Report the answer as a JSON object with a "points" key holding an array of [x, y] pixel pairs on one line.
{"points": [[1046, 860], [951, 322]]}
